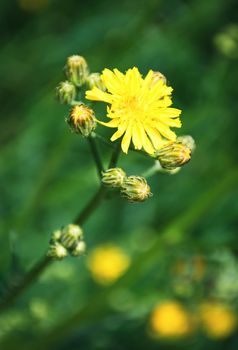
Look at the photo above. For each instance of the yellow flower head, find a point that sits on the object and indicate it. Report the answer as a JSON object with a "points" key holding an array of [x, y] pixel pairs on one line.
{"points": [[107, 263], [170, 320], [218, 320], [139, 108]]}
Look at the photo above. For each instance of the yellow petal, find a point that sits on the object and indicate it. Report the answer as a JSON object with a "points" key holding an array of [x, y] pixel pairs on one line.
{"points": [[98, 95], [172, 122], [146, 144], [126, 140], [165, 131], [154, 135], [111, 124], [119, 132], [137, 138], [111, 81]]}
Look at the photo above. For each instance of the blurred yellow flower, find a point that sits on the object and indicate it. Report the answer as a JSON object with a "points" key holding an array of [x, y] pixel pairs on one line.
{"points": [[218, 320], [107, 263], [139, 108], [171, 320]]}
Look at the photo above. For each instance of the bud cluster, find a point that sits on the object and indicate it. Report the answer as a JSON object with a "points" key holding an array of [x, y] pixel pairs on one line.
{"points": [[77, 74], [81, 118], [67, 241], [133, 188]]}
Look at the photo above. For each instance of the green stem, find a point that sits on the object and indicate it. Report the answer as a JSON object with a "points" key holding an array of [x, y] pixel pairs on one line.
{"points": [[153, 170], [115, 156], [41, 265], [25, 282], [96, 155], [91, 206]]}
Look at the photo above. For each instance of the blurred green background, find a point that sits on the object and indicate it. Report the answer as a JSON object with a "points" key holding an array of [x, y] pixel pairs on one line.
{"points": [[47, 174]]}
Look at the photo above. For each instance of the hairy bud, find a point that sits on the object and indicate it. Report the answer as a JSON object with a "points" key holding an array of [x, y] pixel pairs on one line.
{"points": [[76, 70], [113, 177], [82, 120], [135, 189]]}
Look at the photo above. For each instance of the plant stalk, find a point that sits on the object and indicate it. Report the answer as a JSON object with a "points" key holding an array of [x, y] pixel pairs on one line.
{"points": [[96, 155], [44, 262]]}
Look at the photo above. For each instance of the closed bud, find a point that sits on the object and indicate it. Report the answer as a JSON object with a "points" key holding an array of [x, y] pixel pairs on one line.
{"points": [[55, 237], [113, 177], [70, 236], [82, 120], [79, 249], [135, 189], [76, 70], [57, 251], [173, 155], [66, 92], [158, 76], [94, 80], [188, 141]]}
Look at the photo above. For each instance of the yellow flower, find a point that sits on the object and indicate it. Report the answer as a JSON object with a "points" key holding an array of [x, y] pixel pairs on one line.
{"points": [[218, 320], [107, 263], [170, 320], [139, 108]]}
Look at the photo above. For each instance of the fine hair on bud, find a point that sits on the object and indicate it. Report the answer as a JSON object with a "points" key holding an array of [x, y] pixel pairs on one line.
{"points": [[66, 92], [158, 76], [81, 120], [70, 236], [76, 70], [113, 177], [173, 155], [79, 249], [95, 80], [57, 251], [188, 141], [135, 189]]}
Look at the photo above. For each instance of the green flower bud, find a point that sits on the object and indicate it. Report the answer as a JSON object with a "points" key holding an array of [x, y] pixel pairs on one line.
{"points": [[94, 80], [158, 76], [57, 251], [113, 177], [79, 249], [82, 120], [70, 236], [76, 70], [188, 141], [55, 237], [173, 155], [66, 92], [135, 189]]}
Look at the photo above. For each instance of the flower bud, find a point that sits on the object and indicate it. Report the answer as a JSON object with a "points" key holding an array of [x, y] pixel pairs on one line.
{"points": [[94, 80], [158, 76], [188, 141], [113, 177], [173, 155], [55, 237], [135, 189], [66, 92], [81, 120], [76, 70], [70, 235], [79, 249], [57, 251]]}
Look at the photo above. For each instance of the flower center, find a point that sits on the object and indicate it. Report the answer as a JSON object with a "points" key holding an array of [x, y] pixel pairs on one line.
{"points": [[133, 108]]}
